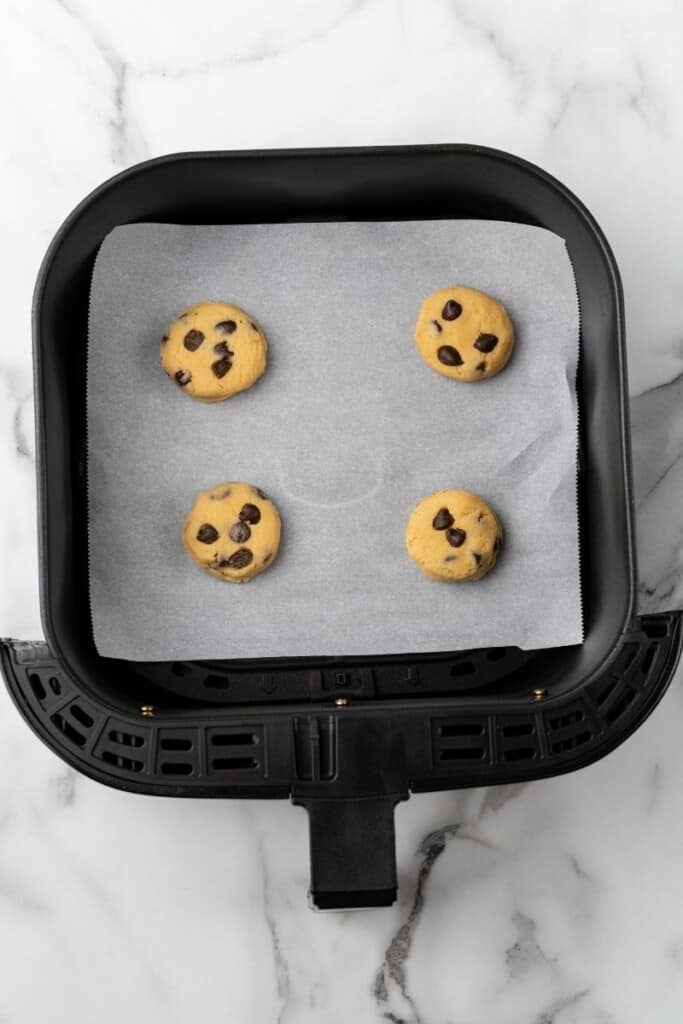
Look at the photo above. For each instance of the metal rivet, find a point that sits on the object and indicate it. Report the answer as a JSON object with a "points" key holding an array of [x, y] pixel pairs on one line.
{"points": [[147, 710], [540, 694], [341, 702]]}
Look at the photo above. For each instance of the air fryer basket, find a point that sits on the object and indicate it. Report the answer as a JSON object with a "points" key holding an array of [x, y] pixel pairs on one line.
{"points": [[346, 738]]}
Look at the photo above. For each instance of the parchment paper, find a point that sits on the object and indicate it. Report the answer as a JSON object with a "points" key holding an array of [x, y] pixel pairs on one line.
{"points": [[347, 430]]}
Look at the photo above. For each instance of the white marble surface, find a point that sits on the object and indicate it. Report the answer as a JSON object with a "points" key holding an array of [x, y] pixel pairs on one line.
{"points": [[551, 903]]}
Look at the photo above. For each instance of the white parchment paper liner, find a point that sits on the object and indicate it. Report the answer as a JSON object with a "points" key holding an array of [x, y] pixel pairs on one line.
{"points": [[347, 430]]}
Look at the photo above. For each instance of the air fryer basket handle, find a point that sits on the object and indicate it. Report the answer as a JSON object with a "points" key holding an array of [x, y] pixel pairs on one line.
{"points": [[349, 765], [353, 855], [351, 770]]}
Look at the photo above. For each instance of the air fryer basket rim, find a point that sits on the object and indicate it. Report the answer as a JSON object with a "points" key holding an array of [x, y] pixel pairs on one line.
{"points": [[415, 153], [347, 752]]}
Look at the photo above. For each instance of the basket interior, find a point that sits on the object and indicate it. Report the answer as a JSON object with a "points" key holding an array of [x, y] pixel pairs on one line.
{"points": [[329, 185]]}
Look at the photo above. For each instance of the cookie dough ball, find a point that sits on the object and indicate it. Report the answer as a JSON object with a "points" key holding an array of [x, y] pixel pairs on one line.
{"points": [[464, 334], [232, 531], [213, 350], [454, 536]]}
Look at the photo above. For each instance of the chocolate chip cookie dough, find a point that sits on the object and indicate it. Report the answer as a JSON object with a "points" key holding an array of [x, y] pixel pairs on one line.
{"points": [[213, 350], [464, 334], [232, 531], [454, 536]]}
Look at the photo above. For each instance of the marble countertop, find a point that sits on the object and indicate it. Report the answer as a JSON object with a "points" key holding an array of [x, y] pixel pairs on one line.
{"points": [[555, 902]]}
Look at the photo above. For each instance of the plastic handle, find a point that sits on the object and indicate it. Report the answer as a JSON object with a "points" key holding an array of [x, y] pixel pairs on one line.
{"points": [[353, 854]]}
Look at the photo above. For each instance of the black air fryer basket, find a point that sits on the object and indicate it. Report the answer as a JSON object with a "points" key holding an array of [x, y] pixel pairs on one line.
{"points": [[345, 737]]}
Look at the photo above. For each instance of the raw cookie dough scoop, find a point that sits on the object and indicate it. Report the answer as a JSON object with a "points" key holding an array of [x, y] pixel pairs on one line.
{"points": [[213, 350], [464, 334], [454, 536], [232, 531]]}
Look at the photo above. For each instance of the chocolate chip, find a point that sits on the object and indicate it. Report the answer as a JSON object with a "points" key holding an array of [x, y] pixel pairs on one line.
{"points": [[193, 340], [207, 534], [481, 367], [477, 557], [452, 310], [456, 537], [226, 326], [442, 520], [449, 356], [240, 559], [262, 494], [438, 326], [497, 542], [164, 339], [183, 377], [221, 367], [183, 316], [450, 558], [250, 514], [486, 342], [221, 349], [253, 326], [239, 532]]}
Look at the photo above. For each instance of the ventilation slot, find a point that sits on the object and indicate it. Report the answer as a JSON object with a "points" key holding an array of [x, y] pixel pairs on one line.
{"points": [[176, 768], [570, 742], [116, 747], [519, 754], [175, 743], [82, 716], [569, 730], [462, 753], [40, 688], [216, 682], [457, 740], [234, 739], [234, 751], [127, 763], [563, 721], [178, 741], [234, 764], [126, 739], [518, 739], [463, 668], [621, 705], [37, 686], [68, 730]]}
